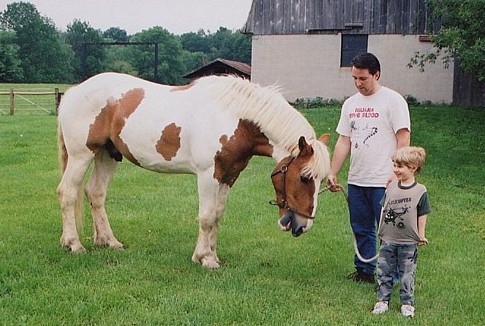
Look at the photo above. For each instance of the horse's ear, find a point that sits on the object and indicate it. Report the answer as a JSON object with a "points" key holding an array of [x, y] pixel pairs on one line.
{"points": [[325, 138], [305, 149]]}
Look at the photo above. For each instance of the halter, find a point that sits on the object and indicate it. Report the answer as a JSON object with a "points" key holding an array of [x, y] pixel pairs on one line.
{"points": [[284, 203]]}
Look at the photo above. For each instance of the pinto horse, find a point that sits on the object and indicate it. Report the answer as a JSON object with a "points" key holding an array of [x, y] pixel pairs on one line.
{"points": [[210, 128]]}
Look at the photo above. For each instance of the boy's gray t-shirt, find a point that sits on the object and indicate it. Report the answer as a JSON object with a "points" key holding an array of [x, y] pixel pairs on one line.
{"points": [[401, 208]]}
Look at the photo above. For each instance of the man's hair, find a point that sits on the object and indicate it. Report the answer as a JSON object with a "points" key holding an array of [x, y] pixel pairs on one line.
{"points": [[410, 156], [367, 61]]}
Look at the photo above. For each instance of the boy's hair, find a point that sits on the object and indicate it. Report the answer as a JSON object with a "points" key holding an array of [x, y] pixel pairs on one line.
{"points": [[367, 61], [410, 156]]}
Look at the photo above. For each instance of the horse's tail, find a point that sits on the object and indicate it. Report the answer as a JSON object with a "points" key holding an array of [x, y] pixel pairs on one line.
{"points": [[63, 158]]}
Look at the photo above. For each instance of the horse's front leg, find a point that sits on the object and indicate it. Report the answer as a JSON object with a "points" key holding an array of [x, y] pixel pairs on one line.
{"points": [[212, 198], [220, 206]]}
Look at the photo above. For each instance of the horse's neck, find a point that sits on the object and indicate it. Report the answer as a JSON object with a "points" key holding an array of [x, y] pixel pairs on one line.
{"points": [[261, 145], [279, 153]]}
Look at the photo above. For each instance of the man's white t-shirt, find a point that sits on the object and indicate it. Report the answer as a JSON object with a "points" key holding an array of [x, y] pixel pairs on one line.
{"points": [[371, 122]]}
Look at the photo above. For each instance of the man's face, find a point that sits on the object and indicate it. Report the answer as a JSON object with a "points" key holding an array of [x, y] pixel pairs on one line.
{"points": [[366, 83]]}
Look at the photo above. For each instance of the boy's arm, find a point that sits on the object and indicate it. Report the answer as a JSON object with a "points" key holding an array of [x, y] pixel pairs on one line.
{"points": [[422, 230]]}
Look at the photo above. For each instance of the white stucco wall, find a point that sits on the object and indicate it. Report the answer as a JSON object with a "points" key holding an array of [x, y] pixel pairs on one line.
{"points": [[308, 66]]}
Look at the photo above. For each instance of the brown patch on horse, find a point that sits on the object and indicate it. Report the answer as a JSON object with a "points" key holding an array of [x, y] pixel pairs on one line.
{"points": [[237, 150], [181, 87], [169, 142], [110, 121]]}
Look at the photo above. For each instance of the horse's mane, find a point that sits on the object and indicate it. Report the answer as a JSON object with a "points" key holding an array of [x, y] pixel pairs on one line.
{"points": [[277, 119]]}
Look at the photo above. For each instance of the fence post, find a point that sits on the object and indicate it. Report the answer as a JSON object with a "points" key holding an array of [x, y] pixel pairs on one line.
{"points": [[57, 95], [12, 102]]}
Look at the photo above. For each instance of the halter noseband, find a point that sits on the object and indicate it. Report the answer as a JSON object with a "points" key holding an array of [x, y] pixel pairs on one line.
{"points": [[284, 203]]}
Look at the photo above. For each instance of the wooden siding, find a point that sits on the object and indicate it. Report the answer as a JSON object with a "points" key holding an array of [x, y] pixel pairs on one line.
{"points": [[467, 90], [271, 17]]}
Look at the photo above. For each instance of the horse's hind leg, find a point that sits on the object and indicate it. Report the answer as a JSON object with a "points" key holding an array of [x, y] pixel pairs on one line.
{"points": [[96, 190], [70, 197]]}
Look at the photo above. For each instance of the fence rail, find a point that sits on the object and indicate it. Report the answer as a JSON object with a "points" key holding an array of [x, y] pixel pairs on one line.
{"points": [[29, 100]]}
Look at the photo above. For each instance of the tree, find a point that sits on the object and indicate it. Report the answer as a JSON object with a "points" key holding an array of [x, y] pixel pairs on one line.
{"points": [[222, 44], [88, 58], [116, 34], [461, 35], [44, 57], [10, 64], [170, 65]]}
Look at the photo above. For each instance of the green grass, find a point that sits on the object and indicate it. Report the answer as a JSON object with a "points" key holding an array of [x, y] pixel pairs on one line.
{"points": [[267, 276]]}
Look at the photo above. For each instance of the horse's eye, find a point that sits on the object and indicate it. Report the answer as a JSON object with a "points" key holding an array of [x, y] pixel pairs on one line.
{"points": [[304, 179]]}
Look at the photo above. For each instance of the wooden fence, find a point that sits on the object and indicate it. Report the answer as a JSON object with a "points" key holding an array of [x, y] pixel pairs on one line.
{"points": [[28, 98]]}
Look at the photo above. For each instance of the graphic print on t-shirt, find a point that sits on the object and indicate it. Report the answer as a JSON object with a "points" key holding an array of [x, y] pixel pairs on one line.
{"points": [[391, 215], [360, 137]]}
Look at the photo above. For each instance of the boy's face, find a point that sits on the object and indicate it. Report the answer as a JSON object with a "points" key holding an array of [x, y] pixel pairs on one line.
{"points": [[403, 172], [366, 83]]}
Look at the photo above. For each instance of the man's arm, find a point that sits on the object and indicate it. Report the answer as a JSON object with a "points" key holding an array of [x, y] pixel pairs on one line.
{"points": [[342, 149], [403, 137]]}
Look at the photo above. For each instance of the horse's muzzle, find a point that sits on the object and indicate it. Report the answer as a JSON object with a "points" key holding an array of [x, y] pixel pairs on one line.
{"points": [[290, 221]]}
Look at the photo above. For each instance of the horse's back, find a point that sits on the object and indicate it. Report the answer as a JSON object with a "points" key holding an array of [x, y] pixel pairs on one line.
{"points": [[159, 127]]}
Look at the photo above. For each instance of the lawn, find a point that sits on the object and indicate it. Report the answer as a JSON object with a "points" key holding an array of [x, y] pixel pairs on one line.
{"points": [[267, 276]]}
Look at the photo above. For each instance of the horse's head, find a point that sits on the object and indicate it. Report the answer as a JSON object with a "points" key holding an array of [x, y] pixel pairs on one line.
{"points": [[296, 180]]}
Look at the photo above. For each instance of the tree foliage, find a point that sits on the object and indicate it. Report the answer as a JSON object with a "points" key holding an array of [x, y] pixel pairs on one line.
{"points": [[170, 66], [33, 50], [10, 64], [43, 56], [461, 37], [88, 58]]}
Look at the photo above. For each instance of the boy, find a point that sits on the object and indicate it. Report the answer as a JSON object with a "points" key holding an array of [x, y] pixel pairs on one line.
{"points": [[402, 229]]}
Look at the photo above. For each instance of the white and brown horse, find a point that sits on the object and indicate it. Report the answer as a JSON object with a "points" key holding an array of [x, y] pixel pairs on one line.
{"points": [[210, 128]]}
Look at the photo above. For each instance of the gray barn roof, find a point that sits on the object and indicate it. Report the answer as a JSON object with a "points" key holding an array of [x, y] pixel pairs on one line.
{"points": [[268, 17]]}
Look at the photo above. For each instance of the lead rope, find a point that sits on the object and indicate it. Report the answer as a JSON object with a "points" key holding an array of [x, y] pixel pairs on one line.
{"points": [[362, 259]]}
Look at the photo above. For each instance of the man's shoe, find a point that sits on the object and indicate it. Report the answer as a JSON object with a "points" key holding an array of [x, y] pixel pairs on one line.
{"points": [[361, 277], [380, 307], [407, 310]]}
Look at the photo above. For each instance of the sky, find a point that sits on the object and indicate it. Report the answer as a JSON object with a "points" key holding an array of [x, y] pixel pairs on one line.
{"points": [[177, 16]]}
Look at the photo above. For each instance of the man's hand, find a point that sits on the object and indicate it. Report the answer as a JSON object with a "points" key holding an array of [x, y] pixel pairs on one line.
{"points": [[332, 183]]}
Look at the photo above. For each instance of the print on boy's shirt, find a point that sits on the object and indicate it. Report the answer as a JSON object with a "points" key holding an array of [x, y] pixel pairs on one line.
{"points": [[391, 215]]}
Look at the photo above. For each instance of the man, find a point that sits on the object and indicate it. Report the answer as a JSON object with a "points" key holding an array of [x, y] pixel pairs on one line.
{"points": [[373, 124]]}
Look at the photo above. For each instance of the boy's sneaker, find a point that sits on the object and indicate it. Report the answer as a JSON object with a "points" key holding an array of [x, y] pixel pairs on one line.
{"points": [[407, 310], [380, 307]]}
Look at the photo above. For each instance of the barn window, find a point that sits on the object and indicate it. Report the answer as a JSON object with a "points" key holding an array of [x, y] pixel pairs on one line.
{"points": [[352, 45]]}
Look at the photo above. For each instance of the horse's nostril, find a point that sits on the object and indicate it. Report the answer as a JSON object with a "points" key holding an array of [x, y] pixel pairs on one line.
{"points": [[286, 221], [297, 232]]}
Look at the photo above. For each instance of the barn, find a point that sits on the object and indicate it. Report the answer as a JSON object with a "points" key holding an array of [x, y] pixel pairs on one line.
{"points": [[305, 46]]}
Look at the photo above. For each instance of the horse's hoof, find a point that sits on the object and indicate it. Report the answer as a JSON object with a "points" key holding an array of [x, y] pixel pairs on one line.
{"points": [[115, 244], [210, 263], [73, 246], [77, 249]]}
